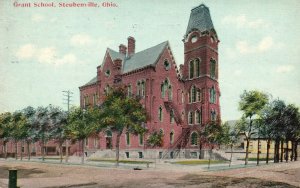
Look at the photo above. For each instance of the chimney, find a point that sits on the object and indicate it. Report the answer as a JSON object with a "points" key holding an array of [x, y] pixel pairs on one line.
{"points": [[131, 46], [122, 49]]}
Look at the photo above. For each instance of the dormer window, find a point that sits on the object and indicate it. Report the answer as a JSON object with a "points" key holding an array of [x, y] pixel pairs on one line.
{"points": [[194, 39]]}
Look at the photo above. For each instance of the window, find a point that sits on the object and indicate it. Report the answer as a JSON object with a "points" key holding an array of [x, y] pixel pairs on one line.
{"points": [[213, 115], [167, 65], [141, 139], [162, 90], [182, 115], [138, 88], [106, 90], [127, 154], [198, 117], [191, 114], [108, 133], [94, 99], [160, 114], [170, 93], [160, 154], [193, 94], [212, 95], [212, 68], [96, 140], [194, 139], [191, 69], [86, 141], [143, 88], [198, 95], [141, 155], [197, 65], [172, 137], [194, 39], [172, 116], [182, 97], [107, 73], [129, 91], [127, 138]]}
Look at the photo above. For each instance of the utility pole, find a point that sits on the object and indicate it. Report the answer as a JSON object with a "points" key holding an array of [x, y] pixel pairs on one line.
{"points": [[67, 98]]}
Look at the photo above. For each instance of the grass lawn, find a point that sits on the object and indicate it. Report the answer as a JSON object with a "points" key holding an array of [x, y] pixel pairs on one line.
{"points": [[120, 161], [255, 159], [198, 162]]}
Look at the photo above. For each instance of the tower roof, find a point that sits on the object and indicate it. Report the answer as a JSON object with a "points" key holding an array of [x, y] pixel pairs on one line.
{"points": [[200, 20]]}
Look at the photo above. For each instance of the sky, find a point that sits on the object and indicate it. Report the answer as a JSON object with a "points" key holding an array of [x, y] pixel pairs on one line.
{"points": [[44, 51]]}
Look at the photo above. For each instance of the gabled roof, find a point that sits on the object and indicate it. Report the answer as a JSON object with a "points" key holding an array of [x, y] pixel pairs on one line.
{"points": [[200, 20], [144, 58], [136, 61], [92, 81]]}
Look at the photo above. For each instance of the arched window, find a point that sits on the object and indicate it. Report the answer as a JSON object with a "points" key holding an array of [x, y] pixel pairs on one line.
{"points": [[191, 117], [213, 115], [198, 95], [212, 95], [191, 69], [162, 90], [129, 90], [193, 94], [143, 88], [212, 68], [138, 88], [197, 65], [106, 90], [127, 138], [160, 114], [170, 93], [172, 137], [141, 139], [194, 139], [182, 115], [182, 97], [198, 117], [172, 116]]}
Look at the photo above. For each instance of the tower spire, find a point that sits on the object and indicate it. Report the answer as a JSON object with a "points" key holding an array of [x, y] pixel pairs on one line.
{"points": [[199, 20]]}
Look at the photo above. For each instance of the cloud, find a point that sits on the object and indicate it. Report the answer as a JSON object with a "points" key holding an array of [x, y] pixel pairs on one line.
{"points": [[81, 40], [241, 21], [284, 68], [26, 51], [237, 72], [37, 18], [263, 45], [48, 55], [68, 58]]}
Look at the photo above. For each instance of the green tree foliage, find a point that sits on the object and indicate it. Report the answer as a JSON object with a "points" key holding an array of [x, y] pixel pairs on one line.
{"points": [[120, 113], [5, 129], [252, 104], [81, 124], [31, 137], [155, 139]]}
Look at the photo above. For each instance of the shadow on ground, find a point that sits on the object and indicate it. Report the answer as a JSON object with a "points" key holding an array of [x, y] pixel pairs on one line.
{"points": [[22, 172]]}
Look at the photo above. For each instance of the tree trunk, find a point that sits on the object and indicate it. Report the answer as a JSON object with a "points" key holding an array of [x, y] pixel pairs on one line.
{"points": [[22, 150], [82, 148], [247, 151], [277, 145], [67, 150], [258, 151], [5, 150], [60, 151], [28, 150], [118, 149], [268, 151], [296, 151], [231, 148], [286, 150], [16, 150], [281, 151], [293, 150]]}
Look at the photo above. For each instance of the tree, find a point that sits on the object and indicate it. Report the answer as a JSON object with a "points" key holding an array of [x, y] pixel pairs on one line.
{"points": [[81, 124], [5, 129], [251, 103], [120, 113], [229, 136], [18, 131], [58, 121], [212, 135], [31, 136], [155, 139]]}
